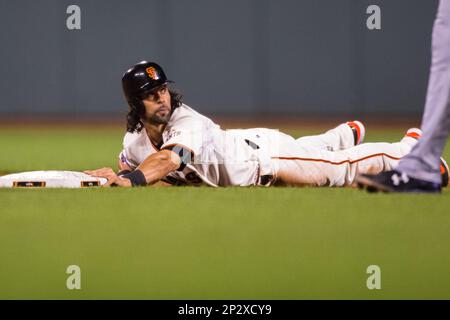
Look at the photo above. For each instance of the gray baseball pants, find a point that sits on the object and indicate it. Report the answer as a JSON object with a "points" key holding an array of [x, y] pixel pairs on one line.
{"points": [[423, 161]]}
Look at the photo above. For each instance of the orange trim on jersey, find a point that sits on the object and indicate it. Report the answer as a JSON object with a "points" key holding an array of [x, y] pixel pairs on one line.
{"points": [[442, 169], [338, 163]]}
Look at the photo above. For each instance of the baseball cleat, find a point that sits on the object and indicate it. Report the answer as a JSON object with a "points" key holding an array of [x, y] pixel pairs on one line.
{"points": [[395, 181], [415, 133], [359, 131], [444, 172]]}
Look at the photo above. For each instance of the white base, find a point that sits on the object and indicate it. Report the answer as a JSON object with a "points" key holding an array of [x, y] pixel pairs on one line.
{"points": [[50, 179]]}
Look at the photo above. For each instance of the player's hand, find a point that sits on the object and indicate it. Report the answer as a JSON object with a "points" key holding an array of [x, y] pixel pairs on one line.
{"points": [[111, 176]]}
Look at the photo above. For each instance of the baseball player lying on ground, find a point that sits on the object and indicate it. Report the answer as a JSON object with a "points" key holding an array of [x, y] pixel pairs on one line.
{"points": [[168, 141]]}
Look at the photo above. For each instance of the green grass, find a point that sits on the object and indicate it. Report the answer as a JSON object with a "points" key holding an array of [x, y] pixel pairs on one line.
{"points": [[205, 243], [58, 149]]}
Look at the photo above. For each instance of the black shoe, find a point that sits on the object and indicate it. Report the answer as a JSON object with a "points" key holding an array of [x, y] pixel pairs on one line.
{"points": [[444, 173], [395, 181]]}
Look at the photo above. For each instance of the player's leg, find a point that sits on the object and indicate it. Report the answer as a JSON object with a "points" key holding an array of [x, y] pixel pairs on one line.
{"points": [[308, 165], [423, 162], [424, 169], [344, 136]]}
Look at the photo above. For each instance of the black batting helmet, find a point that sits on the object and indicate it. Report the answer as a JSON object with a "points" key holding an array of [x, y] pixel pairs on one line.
{"points": [[140, 80]]}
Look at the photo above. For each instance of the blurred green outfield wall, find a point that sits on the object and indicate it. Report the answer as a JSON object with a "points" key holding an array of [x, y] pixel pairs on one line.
{"points": [[227, 56]]}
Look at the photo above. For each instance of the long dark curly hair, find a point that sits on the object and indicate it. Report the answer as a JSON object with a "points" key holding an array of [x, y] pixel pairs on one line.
{"points": [[137, 111]]}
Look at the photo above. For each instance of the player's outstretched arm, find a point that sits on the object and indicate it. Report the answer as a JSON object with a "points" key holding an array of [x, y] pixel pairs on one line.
{"points": [[150, 171], [159, 165]]}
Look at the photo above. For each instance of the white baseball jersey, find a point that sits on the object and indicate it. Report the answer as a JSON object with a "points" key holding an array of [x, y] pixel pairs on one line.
{"points": [[219, 157], [246, 157]]}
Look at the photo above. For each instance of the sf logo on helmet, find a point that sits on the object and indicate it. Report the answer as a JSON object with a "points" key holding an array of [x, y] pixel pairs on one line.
{"points": [[152, 73]]}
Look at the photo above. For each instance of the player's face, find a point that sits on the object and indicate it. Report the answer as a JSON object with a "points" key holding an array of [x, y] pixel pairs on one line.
{"points": [[157, 106]]}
